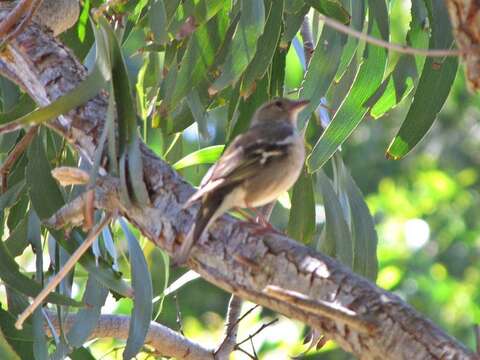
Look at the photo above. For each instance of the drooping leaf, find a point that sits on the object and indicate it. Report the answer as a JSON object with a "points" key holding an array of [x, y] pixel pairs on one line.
{"points": [[98, 269], [6, 350], [336, 238], [199, 112], [265, 48], [158, 21], [321, 70], [362, 225], [331, 8], [243, 44], [45, 194], [21, 341], [437, 78], [353, 109], [142, 286], [301, 223], [85, 320]]}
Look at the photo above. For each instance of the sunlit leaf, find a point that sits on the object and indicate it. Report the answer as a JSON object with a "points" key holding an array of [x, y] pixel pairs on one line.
{"points": [[321, 70], [207, 155], [437, 78], [353, 109]]}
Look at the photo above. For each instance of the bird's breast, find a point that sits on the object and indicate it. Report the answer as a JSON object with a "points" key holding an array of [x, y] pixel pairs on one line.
{"points": [[276, 176]]}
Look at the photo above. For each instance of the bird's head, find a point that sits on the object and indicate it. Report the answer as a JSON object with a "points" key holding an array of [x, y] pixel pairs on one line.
{"points": [[279, 109]]}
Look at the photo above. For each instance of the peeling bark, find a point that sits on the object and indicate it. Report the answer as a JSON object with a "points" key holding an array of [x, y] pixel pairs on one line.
{"points": [[465, 19], [232, 256]]}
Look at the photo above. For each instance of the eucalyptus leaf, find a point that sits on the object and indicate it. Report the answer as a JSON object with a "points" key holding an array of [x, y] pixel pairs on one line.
{"points": [[301, 223], [142, 303], [207, 155], [337, 239], [244, 44]]}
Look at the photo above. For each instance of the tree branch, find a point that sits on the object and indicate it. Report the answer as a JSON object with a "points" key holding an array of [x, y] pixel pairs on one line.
{"points": [[164, 340], [47, 70]]}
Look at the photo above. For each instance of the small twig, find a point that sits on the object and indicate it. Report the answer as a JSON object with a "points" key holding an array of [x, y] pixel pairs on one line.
{"points": [[17, 151], [231, 329], [403, 49], [24, 7], [251, 336], [246, 353], [253, 348], [323, 308], [63, 271]]}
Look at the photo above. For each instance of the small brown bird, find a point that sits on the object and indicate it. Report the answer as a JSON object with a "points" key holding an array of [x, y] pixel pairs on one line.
{"points": [[253, 171]]}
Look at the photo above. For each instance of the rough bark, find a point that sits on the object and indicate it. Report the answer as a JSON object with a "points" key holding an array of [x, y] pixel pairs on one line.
{"points": [[465, 18], [375, 324]]}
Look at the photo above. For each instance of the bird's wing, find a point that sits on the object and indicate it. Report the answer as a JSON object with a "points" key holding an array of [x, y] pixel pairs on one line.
{"points": [[246, 156]]}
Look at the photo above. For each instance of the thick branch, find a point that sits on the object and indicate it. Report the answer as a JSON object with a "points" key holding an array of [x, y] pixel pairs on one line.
{"points": [[234, 257], [164, 340]]}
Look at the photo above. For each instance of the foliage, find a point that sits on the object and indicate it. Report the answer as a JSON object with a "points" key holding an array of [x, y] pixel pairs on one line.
{"points": [[188, 76]]}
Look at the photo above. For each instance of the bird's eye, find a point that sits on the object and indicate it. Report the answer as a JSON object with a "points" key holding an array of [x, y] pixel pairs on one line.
{"points": [[278, 104]]}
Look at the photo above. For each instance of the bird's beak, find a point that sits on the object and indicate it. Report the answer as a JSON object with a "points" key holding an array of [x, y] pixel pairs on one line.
{"points": [[296, 106]]}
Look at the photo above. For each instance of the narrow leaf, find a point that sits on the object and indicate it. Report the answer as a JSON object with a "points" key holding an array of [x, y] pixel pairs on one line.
{"points": [[301, 223], [142, 304], [337, 240], [243, 44], [207, 155], [353, 109]]}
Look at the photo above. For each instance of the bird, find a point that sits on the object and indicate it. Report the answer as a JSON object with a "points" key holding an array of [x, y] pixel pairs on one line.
{"points": [[254, 170]]}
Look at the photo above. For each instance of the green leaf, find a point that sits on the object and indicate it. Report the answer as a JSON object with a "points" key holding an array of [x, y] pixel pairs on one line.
{"points": [[247, 107], [6, 350], [85, 320], [10, 197], [98, 269], [353, 109], [142, 304], [301, 223], [267, 45], [293, 6], [337, 240], [17, 241], [207, 155], [44, 192], [158, 21], [11, 275], [362, 226], [331, 8], [292, 24], [86, 90], [198, 58], [243, 44], [199, 112], [321, 70], [20, 340], [437, 78], [127, 117]]}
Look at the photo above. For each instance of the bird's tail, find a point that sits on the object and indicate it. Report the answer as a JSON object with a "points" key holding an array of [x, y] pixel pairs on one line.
{"points": [[207, 214]]}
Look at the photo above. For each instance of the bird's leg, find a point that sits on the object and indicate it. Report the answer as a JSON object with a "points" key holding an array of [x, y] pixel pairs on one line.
{"points": [[249, 218]]}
